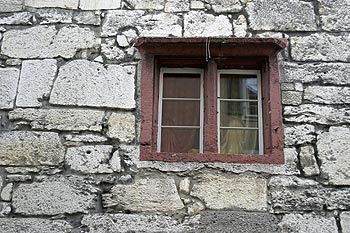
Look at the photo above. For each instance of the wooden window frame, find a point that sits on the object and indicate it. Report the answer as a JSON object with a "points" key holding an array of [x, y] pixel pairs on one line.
{"points": [[211, 54]]}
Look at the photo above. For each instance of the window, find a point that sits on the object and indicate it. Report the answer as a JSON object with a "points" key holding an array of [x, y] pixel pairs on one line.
{"points": [[210, 100]]}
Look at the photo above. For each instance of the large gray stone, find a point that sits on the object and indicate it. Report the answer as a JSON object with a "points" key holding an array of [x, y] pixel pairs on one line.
{"points": [[334, 15], [122, 127], [149, 4], [321, 47], [98, 4], [300, 134], [333, 151], [54, 196], [22, 148], [85, 83], [281, 15], [8, 87], [162, 24], [327, 94], [220, 192], [35, 82], [69, 4], [345, 221], [197, 23], [60, 119], [34, 225], [47, 42], [11, 5], [23, 18], [145, 194], [307, 223]]}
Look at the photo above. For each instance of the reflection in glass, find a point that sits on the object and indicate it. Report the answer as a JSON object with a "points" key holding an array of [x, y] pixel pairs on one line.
{"points": [[238, 114], [181, 112], [180, 140], [238, 86], [235, 141]]}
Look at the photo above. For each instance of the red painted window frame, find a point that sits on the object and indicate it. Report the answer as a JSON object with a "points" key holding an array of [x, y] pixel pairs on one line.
{"points": [[230, 53]]}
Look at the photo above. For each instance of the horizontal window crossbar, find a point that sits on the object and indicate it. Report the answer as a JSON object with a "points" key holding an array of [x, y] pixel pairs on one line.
{"points": [[241, 128], [238, 100], [184, 127], [190, 99]]}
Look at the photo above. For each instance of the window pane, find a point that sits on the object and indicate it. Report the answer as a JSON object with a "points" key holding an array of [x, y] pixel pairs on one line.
{"points": [[181, 112], [233, 141], [180, 140], [176, 85], [238, 114], [238, 86]]}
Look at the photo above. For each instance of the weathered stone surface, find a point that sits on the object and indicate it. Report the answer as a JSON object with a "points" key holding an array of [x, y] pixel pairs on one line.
{"points": [[87, 17], [92, 159], [301, 134], [310, 223], [308, 161], [345, 221], [11, 5], [6, 193], [23, 18], [124, 223], [184, 185], [162, 24], [111, 51], [21, 170], [47, 42], [54, 196], [220, 192], [321, 47], [327, 95], [177, 6], [150, 4], [197, 23], [53, 15], [220, 6], [145, 194], [30, 148], [35, 82], [98, 4], [240, 26], [197, 5], [122, 41], [60, 119], [18, 178], [34, 225], [69, 4], [280, 15], [85, 83], [334, 15], [8, 87], [333, 151], [85, 138], [5, 209], [312, 113], [292, 97], [122, 127]]}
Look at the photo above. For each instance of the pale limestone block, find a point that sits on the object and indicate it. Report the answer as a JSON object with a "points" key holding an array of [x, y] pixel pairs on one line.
{"points": [[321, 47], [333, 151], [111, 51], [334, 15], [198, 23], [22, 170], [6, 193], [18, 178], [240, 26], [221, 192], [292, 97], [5, 210], [47, 42], [195, 207], [68, 4], [281, 15], [310, 223], [122, 127], [291, 181], [53, 15], [287, 86], [327, 94], [299, 87], [122, 41], [345, 221], [34, 225], [99, 4], [85, 138], [11, 5], [184, 185], [85, 83], [221, 6], [8, 87], [146, 5], [308, 161], [197, 5], [177, 6], [145, 194], [300, 134], [60, 119], [21, 148], [35, 82], [23, 18], [87, 17], [115, 162]]}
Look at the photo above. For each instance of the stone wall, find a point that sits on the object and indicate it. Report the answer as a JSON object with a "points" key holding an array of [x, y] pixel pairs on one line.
{"points": [[69, 120]]}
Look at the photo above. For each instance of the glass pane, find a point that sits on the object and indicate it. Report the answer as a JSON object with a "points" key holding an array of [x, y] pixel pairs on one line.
{"points": [[238, 86], [238, 114], [180, 140], [181, 112], [177, 85], [233, 141]]}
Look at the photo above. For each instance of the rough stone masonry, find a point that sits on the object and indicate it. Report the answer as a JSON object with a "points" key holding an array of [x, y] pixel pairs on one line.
{"points": [[70, 118]]}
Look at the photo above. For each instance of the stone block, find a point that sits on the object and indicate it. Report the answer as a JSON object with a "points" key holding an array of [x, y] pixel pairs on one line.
{"points": [[6, 193], [84, 138], [220, 192], [177, 6], [85, 83], [111, 51], [5, 210], [11, 5], [345, 221], [321, 47], [310, 223], [308, 161], [200, 24], [54, 196], [8, 87], [47, 42], [122, 127], [147, 5], [68, 4], [21, 148], [145, 194], [92, 159], [280, 15], [87, 17], [240, 26], [34, 225], [98, 4], [197, 5], [222, 6], [333, 152], [35, 82], [300, 134], [23, 18], [334, 15], [292, 97], [53, 15], [327, 94]]}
